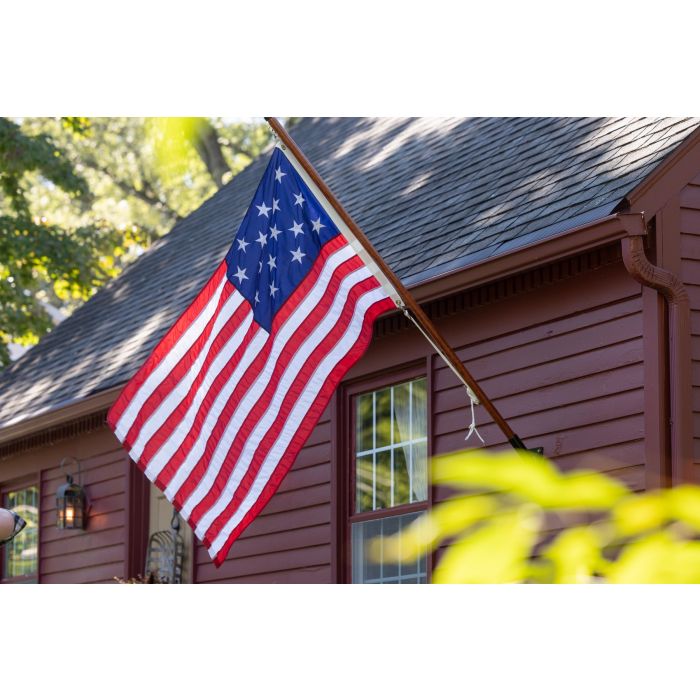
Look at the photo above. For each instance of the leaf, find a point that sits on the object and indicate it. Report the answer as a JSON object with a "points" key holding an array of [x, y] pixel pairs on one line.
{"points": [[497, 552], [657, 558], [640, 513], [684, 504], [529, 477], [576, 555], [441, 523], [515, 471]]}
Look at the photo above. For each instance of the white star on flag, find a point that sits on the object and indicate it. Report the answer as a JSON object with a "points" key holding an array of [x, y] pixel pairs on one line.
{"points": [[263, 209]]}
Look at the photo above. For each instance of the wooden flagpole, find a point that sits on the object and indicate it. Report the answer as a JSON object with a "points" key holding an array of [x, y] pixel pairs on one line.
{"points": [[419, 316]]}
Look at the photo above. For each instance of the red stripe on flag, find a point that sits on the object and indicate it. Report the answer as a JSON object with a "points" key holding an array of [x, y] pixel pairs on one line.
{"points": [[178, 412]]}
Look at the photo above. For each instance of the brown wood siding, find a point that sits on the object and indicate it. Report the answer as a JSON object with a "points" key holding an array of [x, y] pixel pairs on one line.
{"points": [[95, 555], [690, 276]]}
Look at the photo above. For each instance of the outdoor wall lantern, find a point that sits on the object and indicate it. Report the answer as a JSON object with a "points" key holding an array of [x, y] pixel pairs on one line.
{"points": [[71, 501], [10, 525]]}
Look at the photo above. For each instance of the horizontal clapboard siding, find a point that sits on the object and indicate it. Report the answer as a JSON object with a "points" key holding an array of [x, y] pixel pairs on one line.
{"points": [[571, 383], [95, 555], [690, 275], [563, 362]]}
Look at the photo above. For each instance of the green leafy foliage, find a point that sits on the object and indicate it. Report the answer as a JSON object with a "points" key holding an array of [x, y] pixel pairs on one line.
{"points": [[499, 530], [82, 197], [41, 261]]}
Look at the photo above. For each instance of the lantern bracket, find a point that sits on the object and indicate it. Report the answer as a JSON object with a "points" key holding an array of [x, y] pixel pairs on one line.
{"points": [[68, 475]]}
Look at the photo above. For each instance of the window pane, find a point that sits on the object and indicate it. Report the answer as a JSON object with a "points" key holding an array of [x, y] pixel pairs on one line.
{"points": [[365, 484], [383, 480], [383, 417], [420, 422], [401, 478], [364, 566], [419, 478], [375, 569], [364, 421], [20, 555], [390, 527], [402, 413]]}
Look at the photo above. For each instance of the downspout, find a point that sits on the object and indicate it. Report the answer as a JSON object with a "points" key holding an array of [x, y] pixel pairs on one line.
{"points": [[679, 356]]}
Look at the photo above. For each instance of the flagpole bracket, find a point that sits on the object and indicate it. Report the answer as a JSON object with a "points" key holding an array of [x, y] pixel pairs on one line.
{"points": [[518, 444]]}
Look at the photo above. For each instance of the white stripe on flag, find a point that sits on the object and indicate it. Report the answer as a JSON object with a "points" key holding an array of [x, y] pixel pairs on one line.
{"points": [[197, 449], [177, 436]]}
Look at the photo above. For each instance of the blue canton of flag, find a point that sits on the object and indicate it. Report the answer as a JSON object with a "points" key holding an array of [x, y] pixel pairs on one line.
{"points": [[278, 240]]}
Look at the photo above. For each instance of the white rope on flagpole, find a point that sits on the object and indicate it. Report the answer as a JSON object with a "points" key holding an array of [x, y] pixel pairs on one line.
{"points": [[472, 426]]}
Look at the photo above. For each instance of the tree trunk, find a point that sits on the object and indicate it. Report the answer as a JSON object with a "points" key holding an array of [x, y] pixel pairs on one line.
{"points": [[207, 146]]}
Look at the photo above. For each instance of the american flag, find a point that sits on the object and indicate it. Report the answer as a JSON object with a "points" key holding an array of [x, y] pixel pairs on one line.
{"points": [[219, 411]]}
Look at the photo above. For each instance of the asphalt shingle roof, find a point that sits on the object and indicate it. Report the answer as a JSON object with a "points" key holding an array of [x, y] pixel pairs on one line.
{"points": [[432, 195]]}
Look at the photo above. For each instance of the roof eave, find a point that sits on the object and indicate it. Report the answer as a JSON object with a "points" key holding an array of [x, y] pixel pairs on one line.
{"points": [[591, 235], [23, 426], [678, 168]]}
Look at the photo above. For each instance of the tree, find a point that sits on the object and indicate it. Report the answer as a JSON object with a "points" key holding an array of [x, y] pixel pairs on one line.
{"points": [[41, 260], [84, 196]]}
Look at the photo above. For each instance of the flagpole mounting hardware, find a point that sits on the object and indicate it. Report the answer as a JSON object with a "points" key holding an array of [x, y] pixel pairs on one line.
{"points": [[276, 138], [518, 444]]}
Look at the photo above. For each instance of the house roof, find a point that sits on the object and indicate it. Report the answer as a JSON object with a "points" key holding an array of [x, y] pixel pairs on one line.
{"points": [[433, 196]]}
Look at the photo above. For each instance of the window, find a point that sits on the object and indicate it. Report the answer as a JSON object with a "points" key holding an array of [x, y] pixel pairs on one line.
{"points": [[390, 477], [20, 556]]}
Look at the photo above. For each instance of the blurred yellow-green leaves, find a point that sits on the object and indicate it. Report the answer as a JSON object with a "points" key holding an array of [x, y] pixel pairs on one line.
{"points": [[173, 141], [517, 518]]}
